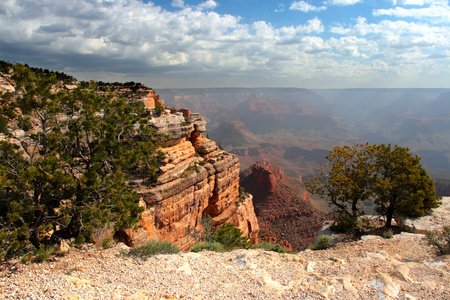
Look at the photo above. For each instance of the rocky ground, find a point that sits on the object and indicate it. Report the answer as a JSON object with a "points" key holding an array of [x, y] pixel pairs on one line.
{"points": [[404, 267]]}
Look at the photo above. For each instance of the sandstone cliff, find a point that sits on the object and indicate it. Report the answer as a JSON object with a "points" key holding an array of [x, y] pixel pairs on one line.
{"points": [[196, 178]]}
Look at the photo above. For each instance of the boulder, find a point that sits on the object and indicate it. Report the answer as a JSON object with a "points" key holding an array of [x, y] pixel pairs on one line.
{"points": [[436, 220]]}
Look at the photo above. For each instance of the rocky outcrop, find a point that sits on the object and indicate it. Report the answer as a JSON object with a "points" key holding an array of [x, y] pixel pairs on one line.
{"points": [[196, 178], [435, 221], [282, 206]]}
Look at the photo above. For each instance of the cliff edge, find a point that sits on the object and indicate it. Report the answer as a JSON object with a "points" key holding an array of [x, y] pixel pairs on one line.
{"points": [[196, 178]]}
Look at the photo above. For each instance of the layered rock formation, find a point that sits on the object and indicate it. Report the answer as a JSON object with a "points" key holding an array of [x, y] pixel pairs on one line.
{"points": [[196, 178], [282, 206]]}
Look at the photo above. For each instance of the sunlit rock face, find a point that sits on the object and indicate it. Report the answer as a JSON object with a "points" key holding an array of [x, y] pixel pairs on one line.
{"points": [[196, 178]]}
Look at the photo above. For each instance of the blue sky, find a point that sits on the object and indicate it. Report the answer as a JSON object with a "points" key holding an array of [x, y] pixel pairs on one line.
{"points": [[234, 43]]}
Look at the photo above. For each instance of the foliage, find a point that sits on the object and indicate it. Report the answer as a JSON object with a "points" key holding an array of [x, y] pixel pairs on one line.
{"points": [[211, 246], [392, 176], [206, 222], [402, 185], [346, 179], [68, 175], [269, 247], [159, 109], [343, 222], [231, 237], [323, 242], [153, 247], [388, 234], [107, 242], [44, 252], [440, 241]]}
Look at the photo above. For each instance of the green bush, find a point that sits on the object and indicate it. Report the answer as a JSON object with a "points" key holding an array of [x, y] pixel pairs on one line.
{"points": [[344, 223], [270, 247], [231, 237], [388, 234], [211, 246], [159, 109], [440, 241], [153, 247], [43, 253], [107, 242], [323, 242]]}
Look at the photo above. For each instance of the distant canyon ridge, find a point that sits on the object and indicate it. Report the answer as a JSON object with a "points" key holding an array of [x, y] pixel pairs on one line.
{"points": [[295, 128]]}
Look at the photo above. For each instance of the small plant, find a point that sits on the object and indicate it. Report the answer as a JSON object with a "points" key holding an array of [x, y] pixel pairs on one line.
{"points": [[153, 247], [71, 270], [211, 246], [388, 234], [206, 222], [231, 237], [270, 247], [107, 242], [159, 109], [323, 242], [188, 171], [344, 223], [333, 259], [43, 253], [440, 241], [186, 122]]}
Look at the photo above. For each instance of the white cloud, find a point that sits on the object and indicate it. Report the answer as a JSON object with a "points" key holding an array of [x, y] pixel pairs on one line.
{"points": [[141, 40], [209, 4], [436, 12], [177, 3], [305, 7], [344, 2], [413, 2]]}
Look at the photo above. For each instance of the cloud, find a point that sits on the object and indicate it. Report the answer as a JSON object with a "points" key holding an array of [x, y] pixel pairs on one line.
{"points": [[413, 2], [177, 3], [343, 2], [305, 7], [436, 12], [196, 46], [209, 4]]}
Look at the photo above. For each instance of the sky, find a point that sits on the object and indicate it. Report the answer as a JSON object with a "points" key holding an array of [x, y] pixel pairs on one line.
{"points": [[234, 43]]}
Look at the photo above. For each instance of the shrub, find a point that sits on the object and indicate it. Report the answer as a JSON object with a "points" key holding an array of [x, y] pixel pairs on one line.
{"points": [[231, 237], [107, 242], [388, 234], [159, 109], [43, 253], [211, 246], [344, 223], [323, 242], [270, 247], [153, 247], [440, 241]]}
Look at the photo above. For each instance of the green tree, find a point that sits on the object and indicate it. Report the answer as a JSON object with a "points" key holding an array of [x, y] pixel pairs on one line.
{"points": [[346, 179], [402, 185], [68, 174], [231, 237], [392, 177]]}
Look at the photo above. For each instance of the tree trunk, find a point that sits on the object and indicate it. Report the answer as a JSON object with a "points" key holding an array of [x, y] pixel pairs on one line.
{"points": [[390, 214], [70, 231]]}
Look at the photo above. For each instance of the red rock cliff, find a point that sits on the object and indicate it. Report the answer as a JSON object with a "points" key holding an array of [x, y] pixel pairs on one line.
{"points": [[282, 206]]}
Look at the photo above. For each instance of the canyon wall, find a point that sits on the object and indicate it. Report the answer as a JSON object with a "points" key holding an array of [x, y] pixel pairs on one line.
{"points": [[196, 178]]}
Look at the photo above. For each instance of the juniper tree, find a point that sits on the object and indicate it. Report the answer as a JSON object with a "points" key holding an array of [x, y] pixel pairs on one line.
{"points": [[67, 174], [390, 176]]}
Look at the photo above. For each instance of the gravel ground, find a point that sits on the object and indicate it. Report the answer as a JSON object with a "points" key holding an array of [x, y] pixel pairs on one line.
{"points": [[374, 268]]}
